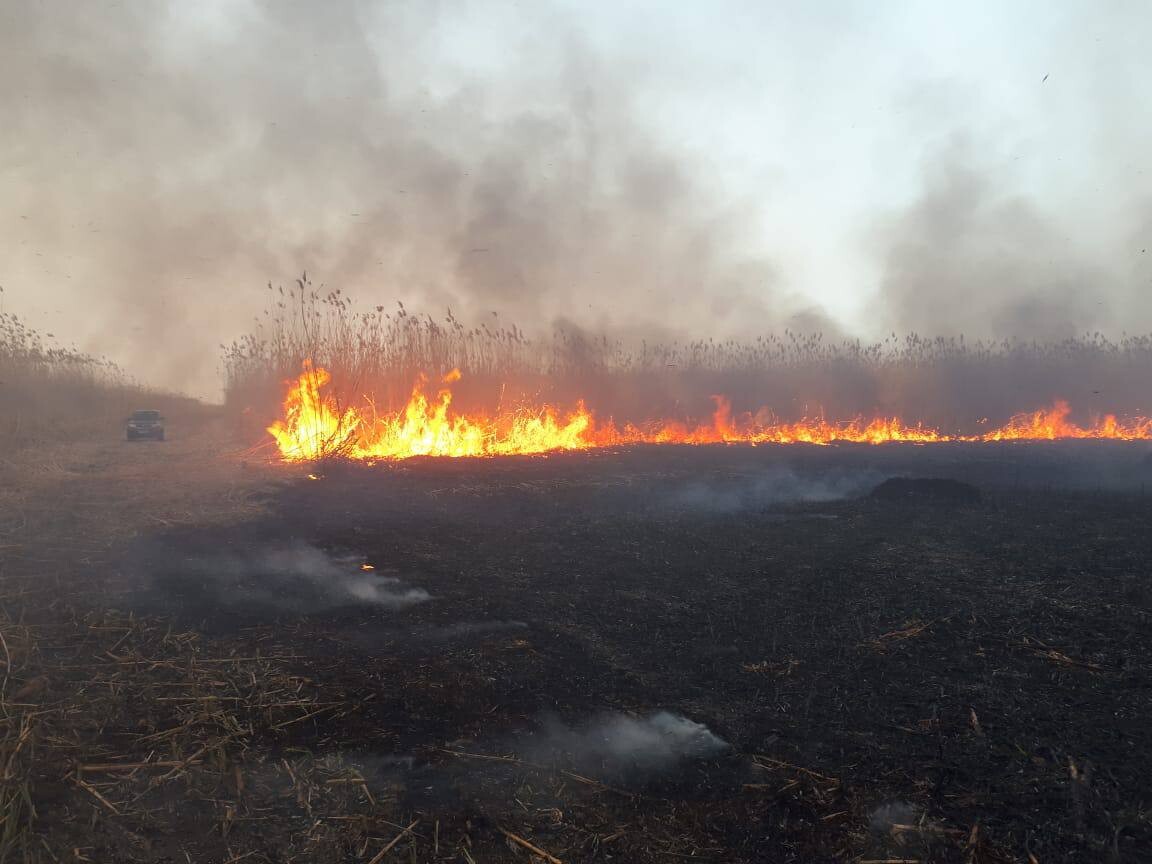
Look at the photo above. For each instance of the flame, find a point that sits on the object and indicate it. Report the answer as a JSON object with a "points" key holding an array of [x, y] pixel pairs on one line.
{"points": [[1053, 424], [315, 426], [312, 426]]}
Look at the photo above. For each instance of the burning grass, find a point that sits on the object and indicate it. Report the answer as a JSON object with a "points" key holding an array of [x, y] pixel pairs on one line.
{"points": [[963, 682], [365, 387], [315, 426]]}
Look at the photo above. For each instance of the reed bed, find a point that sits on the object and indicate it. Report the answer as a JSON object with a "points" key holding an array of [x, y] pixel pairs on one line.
{"points": [[55, 394], [375, 354]]}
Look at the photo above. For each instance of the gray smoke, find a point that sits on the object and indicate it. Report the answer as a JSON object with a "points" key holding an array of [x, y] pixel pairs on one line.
{"points": [[973, 256], [296, 578], [775, 485], [163, 160], [619, 746], [171, 161], [883, 818]]}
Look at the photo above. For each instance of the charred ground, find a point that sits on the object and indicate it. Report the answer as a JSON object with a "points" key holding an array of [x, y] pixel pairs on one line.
{"points": [[926, 680]]}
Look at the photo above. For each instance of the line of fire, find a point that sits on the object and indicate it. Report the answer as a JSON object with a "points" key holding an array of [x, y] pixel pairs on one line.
{"points": [[317, 424]]}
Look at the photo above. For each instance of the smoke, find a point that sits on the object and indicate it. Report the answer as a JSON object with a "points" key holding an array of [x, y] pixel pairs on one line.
{"points": [[776, 485], [162, 161], [262, 581], [173, 158], [884, 817], [619, 747], [973, 255], [302, 576], [986, 264], [659, 753]]}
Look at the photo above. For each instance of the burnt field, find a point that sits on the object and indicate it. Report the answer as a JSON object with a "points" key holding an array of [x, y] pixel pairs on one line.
{"points": [[723, 654]]}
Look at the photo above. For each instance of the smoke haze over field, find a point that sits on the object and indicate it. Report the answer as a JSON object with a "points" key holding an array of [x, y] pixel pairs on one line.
{"points": [[775, 485], [702, 171]]}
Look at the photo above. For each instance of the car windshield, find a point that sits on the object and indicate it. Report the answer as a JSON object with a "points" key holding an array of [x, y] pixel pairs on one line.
{"points": [[145, 415]]}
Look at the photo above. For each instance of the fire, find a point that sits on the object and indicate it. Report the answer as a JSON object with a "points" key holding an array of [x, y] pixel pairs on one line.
{"points": [[1053, 424], [312, 425], [315, 425]]}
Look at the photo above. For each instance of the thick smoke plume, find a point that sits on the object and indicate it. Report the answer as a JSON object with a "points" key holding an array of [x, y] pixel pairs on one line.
{"points": [[164, 160], [182, 158], [971, 257]]}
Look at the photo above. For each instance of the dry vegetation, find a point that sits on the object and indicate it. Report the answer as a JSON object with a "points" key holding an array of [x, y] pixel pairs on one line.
{"points": [[898, 683], [950, 383], [50, 394], [73, 493], [131, 734], [73, 685], [139, 728]]}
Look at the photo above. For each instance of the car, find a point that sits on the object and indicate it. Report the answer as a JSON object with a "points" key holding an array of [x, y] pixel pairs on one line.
{"points": [[146, 424]]}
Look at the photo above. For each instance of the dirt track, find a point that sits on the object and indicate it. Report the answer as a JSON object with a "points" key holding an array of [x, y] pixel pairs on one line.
{"points": [[895, 681]]}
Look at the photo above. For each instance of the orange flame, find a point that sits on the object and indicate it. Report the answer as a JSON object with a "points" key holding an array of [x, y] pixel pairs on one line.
{"points": [[315, 425], [1053, 424]]}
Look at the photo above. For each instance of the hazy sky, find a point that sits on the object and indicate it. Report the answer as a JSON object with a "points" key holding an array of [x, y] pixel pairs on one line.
{"points": [[721, 168]]}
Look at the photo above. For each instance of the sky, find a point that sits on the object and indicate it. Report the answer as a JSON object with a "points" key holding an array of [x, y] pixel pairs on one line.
{"points": [[657, 169]]}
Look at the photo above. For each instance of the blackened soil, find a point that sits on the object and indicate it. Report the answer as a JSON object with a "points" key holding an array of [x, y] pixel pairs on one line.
{"points": [[926, 490], [981, 668]]}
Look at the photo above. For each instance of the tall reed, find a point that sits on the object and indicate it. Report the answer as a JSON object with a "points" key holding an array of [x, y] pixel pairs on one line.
{"points": [[51, 393], [376, 354]]}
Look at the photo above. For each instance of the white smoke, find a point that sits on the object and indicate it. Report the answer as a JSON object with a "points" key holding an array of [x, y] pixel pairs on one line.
{"points": [[777, 485], [297, 578], [618, 745], [886, 816]]}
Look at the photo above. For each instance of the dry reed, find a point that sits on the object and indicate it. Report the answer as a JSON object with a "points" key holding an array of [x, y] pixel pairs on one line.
{"points": [[377, 353]]}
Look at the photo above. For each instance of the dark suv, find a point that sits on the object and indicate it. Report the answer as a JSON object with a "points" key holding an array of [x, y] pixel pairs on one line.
{"points": [[146, 424]]}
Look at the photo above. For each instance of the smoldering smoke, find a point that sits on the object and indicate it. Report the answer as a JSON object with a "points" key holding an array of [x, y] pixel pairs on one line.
{"points": [[264, 581], [777, 485], [302, 576], [617, 746]]}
